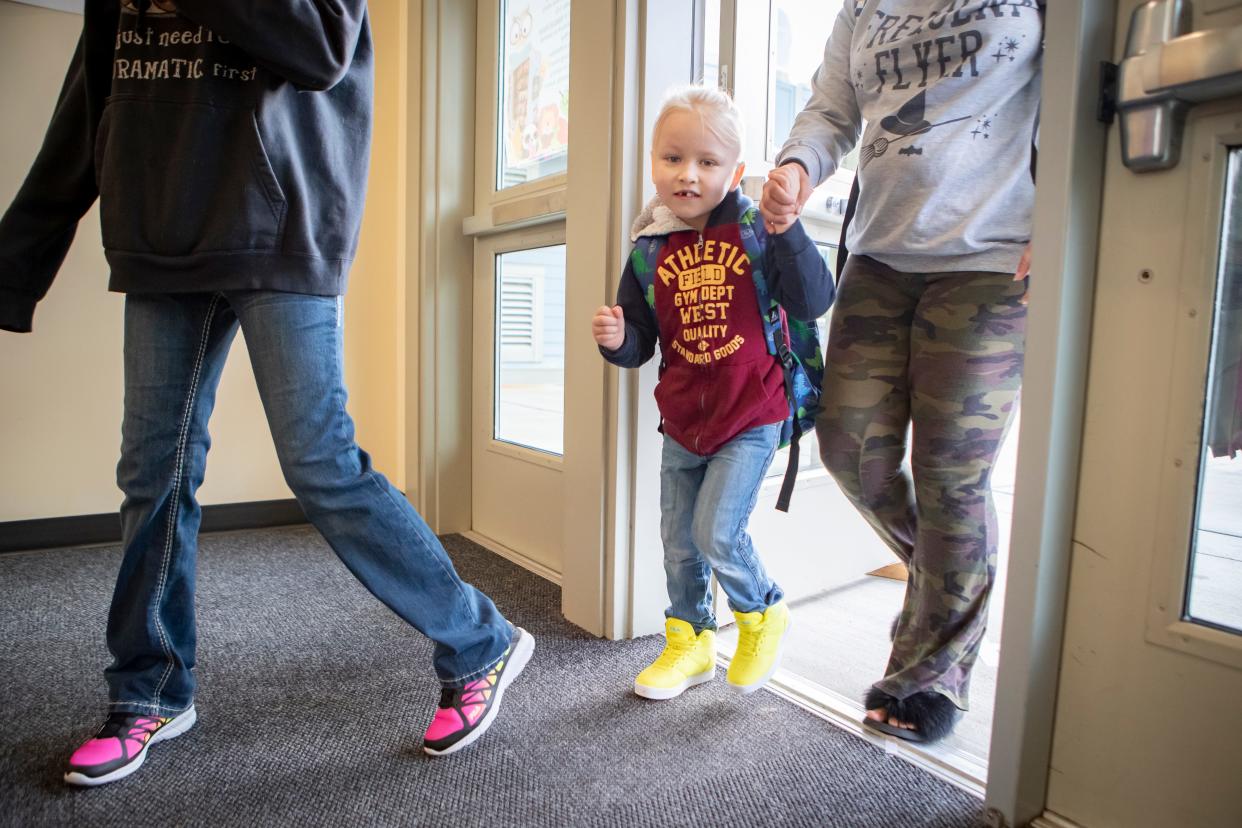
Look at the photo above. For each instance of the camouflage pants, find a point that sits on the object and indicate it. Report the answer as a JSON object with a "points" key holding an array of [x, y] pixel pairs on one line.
{"points": [[941, 351]]}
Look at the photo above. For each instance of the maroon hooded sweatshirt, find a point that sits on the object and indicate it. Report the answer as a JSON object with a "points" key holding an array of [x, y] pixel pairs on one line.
{"points": [[717, 378]]}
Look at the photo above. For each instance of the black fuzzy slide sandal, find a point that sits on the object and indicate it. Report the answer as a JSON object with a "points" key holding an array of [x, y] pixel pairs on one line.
{"points": [[931, 714]]}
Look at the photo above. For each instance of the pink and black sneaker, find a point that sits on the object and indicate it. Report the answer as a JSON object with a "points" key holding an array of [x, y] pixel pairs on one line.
{"points": [[466, 712], [120, 746]]}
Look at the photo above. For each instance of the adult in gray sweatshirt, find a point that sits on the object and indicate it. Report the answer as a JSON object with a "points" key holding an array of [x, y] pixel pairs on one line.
{"points": [[227, 142], [929, 324]]}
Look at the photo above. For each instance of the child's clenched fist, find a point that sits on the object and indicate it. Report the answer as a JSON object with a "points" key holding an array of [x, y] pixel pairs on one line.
{"points": [[608, 326]]}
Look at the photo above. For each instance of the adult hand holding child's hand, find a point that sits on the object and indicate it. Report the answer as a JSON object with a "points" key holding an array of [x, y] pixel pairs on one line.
{"points": [[784, 193], [608, 327]]}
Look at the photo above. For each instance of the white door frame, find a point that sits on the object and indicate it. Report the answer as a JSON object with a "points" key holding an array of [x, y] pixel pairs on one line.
{"points": [[438, 360], [666, 61], [454, 204], [601, 196]]}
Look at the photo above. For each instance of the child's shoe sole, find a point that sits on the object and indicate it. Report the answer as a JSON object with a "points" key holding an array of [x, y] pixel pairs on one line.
{"points": [[180, 724], [661, 693]]}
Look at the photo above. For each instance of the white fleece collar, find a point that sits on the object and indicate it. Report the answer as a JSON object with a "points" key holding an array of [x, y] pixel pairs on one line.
{"points": [[656, 219]]}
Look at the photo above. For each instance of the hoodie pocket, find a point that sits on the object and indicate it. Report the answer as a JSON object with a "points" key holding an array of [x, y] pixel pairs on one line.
{"points": [[181, 178]]}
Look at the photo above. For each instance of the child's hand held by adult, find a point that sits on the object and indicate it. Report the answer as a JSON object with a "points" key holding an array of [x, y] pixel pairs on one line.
{"points": [[784, 194], [608, 327]]}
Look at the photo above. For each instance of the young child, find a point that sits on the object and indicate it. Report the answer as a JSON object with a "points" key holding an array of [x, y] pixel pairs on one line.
{"points": [[721, 394]]}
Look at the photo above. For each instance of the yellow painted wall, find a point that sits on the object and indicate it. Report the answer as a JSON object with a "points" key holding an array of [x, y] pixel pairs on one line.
{"points": [[61, 387], [375, 305]]}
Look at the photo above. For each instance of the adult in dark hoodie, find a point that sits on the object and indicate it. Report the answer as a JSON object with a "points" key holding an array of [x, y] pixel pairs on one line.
{"points": [[228, 143]]}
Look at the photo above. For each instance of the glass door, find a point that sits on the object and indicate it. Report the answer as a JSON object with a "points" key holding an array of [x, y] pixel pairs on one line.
{"points": [[1214, 578], [1152, 628], [519, 320], [519, 392]]}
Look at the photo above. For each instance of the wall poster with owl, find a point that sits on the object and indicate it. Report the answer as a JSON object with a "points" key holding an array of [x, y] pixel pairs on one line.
{"points": [[535, 89]]}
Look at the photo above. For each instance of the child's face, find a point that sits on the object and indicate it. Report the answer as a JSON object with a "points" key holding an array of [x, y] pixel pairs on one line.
{"points": [[691, 168]]}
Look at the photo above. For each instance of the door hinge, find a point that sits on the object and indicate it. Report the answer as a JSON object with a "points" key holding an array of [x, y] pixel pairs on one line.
{"points": [[1106, 103]]}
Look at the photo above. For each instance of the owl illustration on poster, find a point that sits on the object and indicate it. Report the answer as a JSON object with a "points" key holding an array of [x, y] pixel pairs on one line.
{"points": [[535, 97], [524, 83]]}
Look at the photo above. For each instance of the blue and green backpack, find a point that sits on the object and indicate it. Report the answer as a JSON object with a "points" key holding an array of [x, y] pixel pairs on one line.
{"points": [[793, 343]]}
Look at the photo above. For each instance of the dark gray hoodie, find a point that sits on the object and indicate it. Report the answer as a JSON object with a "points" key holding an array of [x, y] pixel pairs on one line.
{"points": [[226, 140]]}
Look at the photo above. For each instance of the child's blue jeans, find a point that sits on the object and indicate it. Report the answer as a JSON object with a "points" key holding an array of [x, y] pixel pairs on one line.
{"points": [[175, 349], [705, 504]]}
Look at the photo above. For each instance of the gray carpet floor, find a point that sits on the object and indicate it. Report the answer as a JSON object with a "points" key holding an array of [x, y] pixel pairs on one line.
{"points": [[313, 698]]}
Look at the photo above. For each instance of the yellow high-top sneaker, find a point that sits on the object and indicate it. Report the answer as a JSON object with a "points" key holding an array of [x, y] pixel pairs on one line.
{"points": [[687, 660], [760, 636]]}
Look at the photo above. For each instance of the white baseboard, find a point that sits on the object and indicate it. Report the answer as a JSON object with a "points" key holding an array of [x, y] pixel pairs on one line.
{"points": [[1048, 819], [529, 564]]}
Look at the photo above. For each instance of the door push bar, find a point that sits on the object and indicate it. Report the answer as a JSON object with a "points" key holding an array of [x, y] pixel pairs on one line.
{"points": [[1167, 70]]}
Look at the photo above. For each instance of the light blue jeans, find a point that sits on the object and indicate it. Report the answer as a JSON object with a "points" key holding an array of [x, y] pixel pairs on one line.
{"points": [[705, 504], [175, 348]]}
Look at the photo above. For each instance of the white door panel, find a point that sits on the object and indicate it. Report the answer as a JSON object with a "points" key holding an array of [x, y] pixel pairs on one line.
{"points": [[1147, 726], [519, 388]]}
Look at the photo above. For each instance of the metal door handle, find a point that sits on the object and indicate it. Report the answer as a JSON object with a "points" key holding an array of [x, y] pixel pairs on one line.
{"points": [[1168, 69]]}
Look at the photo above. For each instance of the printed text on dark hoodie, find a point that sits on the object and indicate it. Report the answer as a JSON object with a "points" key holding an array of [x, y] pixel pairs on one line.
{"points": [[227, 141]]}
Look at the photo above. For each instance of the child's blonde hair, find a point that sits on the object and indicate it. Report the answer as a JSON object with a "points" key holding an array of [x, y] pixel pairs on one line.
{"points": [[713, 106]]}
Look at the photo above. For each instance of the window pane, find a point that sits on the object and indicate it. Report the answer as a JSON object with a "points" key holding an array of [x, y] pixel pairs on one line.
{"points": [[799, 30], [530, 349], [534, 90], [711, 43], [1215, 585]]}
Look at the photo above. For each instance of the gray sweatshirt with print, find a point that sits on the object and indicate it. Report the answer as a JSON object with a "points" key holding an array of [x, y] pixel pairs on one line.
{"points": [[948, 91]]}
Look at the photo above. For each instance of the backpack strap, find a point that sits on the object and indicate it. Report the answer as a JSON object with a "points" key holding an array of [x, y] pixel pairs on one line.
{"points": [[843, 252], [751, 226], [643, 264], [774, 332]]}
